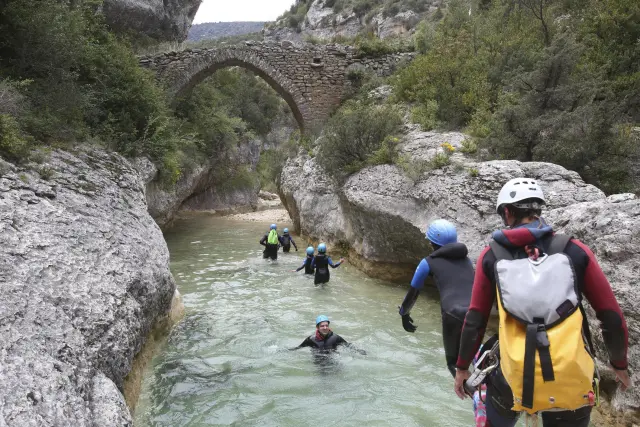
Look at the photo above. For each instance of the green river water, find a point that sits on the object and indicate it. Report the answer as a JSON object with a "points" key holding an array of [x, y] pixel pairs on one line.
{"points": [[226, 362]]}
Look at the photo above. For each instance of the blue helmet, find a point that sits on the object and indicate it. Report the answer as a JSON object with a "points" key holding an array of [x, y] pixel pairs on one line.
{"points": [[442, 232], [273, 227], [310, 250], [285, 231], [322, 248], [322, 318]]}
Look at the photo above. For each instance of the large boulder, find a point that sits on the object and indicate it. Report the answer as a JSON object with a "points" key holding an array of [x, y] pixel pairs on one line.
{"points": [[381, 214], [611, 228], [163, 20], [85, 276]]}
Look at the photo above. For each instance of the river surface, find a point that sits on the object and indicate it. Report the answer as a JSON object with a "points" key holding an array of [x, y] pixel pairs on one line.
{"points": [[226, 363]]}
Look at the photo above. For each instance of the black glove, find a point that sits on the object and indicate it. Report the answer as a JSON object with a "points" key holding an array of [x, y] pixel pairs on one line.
{"points": [[407, 323]]}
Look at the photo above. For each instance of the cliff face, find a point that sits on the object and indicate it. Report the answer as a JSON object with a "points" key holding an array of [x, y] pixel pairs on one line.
{"points": [[324, 21], [381, 215], [85, 276], [164, 20]]}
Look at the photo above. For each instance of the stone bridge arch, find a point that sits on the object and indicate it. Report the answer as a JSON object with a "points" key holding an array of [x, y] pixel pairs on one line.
{"points": [[312, 79]]}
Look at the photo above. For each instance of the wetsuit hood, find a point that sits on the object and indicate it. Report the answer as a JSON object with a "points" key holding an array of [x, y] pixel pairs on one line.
{"points": [[451, 251], [523, 235]]}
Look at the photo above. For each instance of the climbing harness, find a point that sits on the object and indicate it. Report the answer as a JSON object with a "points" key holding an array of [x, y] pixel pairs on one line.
{"points": [[490, 361]]}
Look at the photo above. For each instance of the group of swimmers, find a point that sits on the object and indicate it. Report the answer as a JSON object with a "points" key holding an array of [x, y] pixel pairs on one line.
{"points": [[316, 264], [541, 360]]}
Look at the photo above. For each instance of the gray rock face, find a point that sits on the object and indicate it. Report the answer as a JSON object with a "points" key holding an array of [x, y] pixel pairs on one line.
{"points": [[198, 188], [382, 215], [167, 20], [85, 275], [611, 228]]}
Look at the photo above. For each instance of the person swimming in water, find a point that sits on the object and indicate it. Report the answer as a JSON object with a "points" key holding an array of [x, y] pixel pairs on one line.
{"points": [[324, 339], [306, 264]]}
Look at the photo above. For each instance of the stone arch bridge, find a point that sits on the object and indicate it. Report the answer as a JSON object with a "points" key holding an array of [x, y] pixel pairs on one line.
{"points": [[312, 79]]}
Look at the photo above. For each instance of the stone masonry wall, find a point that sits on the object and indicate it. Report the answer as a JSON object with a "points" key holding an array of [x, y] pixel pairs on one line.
{"points": [[313, 79]]}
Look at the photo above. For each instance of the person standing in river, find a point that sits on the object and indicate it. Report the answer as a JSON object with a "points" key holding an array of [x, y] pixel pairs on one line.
{"points": [[538, 279], [287, 241], [271, 242], [321, 264], [308, 261], [452, 272], [324, 339]]}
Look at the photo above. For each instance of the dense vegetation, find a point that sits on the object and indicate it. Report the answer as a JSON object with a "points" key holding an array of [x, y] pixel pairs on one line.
{"points": [[66, 79], [547, 80]]}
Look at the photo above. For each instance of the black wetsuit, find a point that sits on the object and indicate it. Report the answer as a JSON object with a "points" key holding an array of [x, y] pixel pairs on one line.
{"points": [[287, 241], [321, 264], [330, 342], [453, 273], [270, 250], [307, 265]]}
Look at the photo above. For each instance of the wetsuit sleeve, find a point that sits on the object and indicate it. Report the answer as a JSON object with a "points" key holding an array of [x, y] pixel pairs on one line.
{"points": [[421, 274], [598, 292], [293, 243], [306, 343], [332, 264], [417, 283], [342, 341], [302, 266], [281, 240], [263, 241], [313, 262], [483, 296]]}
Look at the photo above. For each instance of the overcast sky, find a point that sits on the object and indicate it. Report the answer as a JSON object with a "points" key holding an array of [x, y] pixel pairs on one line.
{"points": [[241, 10]]}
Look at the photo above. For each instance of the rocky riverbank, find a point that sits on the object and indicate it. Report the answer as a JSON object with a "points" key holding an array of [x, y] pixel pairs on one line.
{"points": [[85, 278], [380, 213]]}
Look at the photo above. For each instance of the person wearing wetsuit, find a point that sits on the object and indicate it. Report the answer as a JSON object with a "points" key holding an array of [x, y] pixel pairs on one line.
{"points": [[321, 264], [271, 242], [452, 272], [324, 340], [520, 205], [306, 264], [287, 241]]}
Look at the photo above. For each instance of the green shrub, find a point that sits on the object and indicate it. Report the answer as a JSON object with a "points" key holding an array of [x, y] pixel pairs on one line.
{"points": [[469, 146], [473, 172], [425, 115], [13, 144], [354, 135], [413, 169], [440, 160]]}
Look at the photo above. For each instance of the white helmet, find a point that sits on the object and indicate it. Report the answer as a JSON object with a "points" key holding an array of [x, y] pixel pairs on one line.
{"points": [[519, 189]]}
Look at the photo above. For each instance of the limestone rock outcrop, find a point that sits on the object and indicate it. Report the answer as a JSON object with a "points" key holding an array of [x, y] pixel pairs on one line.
{"points": [[163, 20], [85, 276], [204, 186], [322, 22], [611, 227]]}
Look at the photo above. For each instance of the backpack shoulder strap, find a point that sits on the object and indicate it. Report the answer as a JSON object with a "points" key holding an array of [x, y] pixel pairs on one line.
{"points": [[500, 251], [558, 243]]}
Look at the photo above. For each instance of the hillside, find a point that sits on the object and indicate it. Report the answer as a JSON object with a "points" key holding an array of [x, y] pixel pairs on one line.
{"points": [[217, 30], [339, 19]]}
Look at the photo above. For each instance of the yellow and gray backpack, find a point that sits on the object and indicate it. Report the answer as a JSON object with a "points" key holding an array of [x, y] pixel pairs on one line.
{"points": [[543, 346]]}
